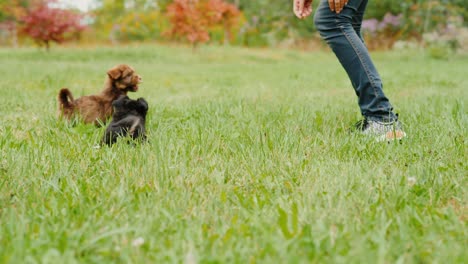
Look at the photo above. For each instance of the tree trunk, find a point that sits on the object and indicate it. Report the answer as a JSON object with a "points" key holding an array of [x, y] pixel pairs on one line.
{"points": [[113, 34], [227, 34], [194, 47], [14, 36]]}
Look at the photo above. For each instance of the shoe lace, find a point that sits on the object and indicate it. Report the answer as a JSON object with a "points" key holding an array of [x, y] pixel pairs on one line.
{"points": [[361, 124]]}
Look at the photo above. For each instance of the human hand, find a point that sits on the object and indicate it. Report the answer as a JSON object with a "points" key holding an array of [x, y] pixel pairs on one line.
{"points": [[337, 5], [302, 8]]}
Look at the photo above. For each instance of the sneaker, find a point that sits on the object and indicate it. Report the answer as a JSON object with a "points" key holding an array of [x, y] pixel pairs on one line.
{"points": [[382, 131]]}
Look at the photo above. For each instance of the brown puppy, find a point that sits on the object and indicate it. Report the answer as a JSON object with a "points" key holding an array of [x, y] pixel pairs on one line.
{"points": [[98, 108]]}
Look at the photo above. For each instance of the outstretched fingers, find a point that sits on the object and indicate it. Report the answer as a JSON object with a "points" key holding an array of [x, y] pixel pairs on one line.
{"points": [[302, 8], [307, 8], [298, 7]]}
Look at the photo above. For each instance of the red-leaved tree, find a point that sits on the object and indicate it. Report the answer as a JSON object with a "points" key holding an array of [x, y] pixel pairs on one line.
{"points": [[222, 13], [187, 21], [191, 19], [46, 23]]}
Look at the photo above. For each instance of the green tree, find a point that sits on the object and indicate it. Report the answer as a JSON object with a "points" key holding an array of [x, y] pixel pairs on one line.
{"points": [[10, 13], [119, 20], [271, 21]]}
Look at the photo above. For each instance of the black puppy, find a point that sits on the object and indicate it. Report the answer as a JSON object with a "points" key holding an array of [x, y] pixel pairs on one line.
{"points": [[128, 120]]}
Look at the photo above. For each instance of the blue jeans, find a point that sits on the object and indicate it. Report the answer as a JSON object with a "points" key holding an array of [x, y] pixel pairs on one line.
{"points": [[342, 32]]}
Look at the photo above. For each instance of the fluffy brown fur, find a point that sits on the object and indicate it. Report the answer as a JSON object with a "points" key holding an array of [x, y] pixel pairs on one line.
{"points": [[98, 108]]}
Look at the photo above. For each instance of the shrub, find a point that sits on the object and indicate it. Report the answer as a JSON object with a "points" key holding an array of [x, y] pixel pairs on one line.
{"points": [[140, 26], [446, 39], [384, 33], [416, 19]]}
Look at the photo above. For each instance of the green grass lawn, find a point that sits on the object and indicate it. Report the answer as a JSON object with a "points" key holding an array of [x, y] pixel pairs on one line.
{"points": [[249, 160]]}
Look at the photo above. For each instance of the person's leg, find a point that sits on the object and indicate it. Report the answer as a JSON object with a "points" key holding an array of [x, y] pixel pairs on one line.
{"points": [[342, 33], [357, 19]]}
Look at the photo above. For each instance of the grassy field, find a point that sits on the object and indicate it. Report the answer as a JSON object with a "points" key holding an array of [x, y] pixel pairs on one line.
{"points": [[250, 161]]}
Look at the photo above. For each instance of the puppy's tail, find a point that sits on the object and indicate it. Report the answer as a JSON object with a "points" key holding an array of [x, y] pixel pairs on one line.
{"points": [[65, 99]]}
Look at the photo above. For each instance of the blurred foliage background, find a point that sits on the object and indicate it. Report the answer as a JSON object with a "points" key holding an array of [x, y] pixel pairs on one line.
{"points": [[388, 23]]}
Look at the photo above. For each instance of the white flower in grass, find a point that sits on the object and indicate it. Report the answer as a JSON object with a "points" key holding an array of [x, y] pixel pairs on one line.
{"points": [[137, 242], [411, 181], [190, 258]]}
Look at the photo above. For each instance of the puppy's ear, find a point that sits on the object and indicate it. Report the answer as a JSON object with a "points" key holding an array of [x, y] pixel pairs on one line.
{"points": [[142, 105], [120, 101], [114, 73], [126, 70]]}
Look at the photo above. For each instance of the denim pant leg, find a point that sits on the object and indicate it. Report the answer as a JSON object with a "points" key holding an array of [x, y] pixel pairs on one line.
{"points": [[342, 33]]}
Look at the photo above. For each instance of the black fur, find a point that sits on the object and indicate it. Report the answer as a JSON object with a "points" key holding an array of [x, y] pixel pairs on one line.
{"points": [[128, 120]]}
